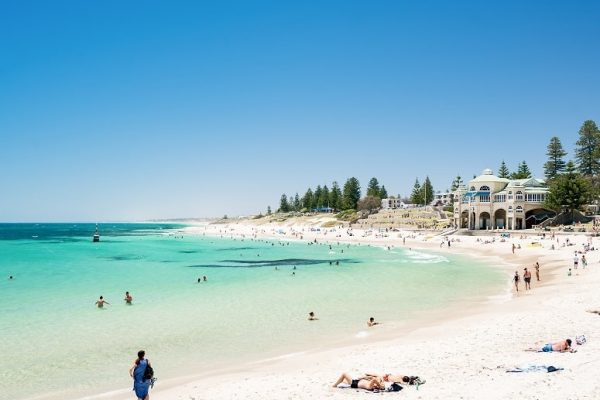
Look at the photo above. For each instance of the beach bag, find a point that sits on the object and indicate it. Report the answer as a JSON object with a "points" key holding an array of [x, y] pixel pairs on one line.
{"points": [[580, 340], [394, 387], [149, 372]]}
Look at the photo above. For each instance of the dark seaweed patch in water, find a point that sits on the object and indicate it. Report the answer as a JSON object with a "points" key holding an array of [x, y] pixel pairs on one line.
{"points": [[238, 248], [189, 251], [271, 263], [124, 258]]}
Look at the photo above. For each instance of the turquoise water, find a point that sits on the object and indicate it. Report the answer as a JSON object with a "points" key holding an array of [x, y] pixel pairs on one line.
{"points": [[55, 344]]}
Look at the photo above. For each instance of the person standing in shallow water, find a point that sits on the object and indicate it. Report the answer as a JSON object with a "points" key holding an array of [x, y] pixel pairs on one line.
{"points": [[101, 302], [516, 280], [128, 298], [141, 386]]}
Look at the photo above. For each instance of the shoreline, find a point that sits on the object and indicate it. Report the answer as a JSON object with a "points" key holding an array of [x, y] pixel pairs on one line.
{"points": [[295, 366]]}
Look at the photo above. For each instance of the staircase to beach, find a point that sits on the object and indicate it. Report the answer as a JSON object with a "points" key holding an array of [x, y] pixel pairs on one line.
{"points": [[412, 218]]}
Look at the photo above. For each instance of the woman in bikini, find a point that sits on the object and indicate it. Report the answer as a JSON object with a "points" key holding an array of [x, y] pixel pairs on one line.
{"points": [[396, 378], [365, 382]]}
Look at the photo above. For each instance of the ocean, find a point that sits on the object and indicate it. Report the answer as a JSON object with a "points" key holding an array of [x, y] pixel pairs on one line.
{"points": [[56, 344]]}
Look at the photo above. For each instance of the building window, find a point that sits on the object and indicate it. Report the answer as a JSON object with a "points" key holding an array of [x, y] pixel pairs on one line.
{"points": [[484, 188], [519, 196], [472, 189], [500, 198], [519, 209], [484, 199], [536, 197]]}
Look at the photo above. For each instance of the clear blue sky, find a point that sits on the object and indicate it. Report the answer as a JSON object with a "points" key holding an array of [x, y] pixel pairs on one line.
{"points": [[117, 110]]}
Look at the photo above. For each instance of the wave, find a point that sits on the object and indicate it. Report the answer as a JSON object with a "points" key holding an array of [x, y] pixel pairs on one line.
{"points": [[424, 258]]}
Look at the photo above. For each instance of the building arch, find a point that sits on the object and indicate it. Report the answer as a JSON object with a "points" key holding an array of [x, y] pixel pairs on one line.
{"points": [[484, 188], [500, 218], [484, 220], [464, 219]]}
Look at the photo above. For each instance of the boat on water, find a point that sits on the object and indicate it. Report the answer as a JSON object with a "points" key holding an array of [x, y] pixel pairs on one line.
{"points": [[96, 237]]}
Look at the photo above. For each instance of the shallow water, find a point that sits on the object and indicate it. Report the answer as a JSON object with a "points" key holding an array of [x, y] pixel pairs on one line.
{"points": [[56, 344]]}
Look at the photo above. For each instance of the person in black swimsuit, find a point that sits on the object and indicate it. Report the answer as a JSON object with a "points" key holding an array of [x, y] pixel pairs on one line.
{"points": [[365, 382]]}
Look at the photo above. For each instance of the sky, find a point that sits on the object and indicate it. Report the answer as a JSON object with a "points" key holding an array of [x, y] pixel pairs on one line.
{"points": [[130, 110]]}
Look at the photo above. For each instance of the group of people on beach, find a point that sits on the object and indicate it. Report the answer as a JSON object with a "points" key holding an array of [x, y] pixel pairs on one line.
{"points": [[526, 277], [379, 382]]}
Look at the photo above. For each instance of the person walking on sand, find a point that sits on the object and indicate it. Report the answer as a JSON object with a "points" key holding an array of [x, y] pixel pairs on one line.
{"points": [[537, 271], [575, 261], [513, 248], [583, 261], [516, 280], [141, 386], [101, 302], [527, 279], [128, 298]]}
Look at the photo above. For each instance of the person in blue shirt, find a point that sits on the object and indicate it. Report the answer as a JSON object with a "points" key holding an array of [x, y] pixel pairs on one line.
{"points": [[141, 386]]}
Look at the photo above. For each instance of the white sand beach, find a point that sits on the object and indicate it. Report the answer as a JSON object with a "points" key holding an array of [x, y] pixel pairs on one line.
{"points": [[461, 356]]}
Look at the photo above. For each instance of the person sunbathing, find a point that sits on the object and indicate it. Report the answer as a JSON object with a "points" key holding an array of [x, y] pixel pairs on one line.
{"points": [[562, 346], [397, 378], [372, 383]]}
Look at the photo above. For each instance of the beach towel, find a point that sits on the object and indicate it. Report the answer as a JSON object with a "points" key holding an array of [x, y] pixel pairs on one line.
{"points": [[535, 368]]}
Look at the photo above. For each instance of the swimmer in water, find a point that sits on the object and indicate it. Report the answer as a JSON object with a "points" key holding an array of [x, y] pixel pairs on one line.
{"points": [[128, 298], [372, 322], [101, 302], [311, 316]]}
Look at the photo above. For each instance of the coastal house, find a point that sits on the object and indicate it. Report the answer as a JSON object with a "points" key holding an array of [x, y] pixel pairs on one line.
{"points": [[392, 203], [442, 199], [490, 202], [395, 203]]}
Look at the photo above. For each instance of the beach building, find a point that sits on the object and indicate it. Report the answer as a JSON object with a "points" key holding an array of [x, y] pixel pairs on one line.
{"points": [[395, 203], [490, 202], [442, 199], [391, 203]]}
